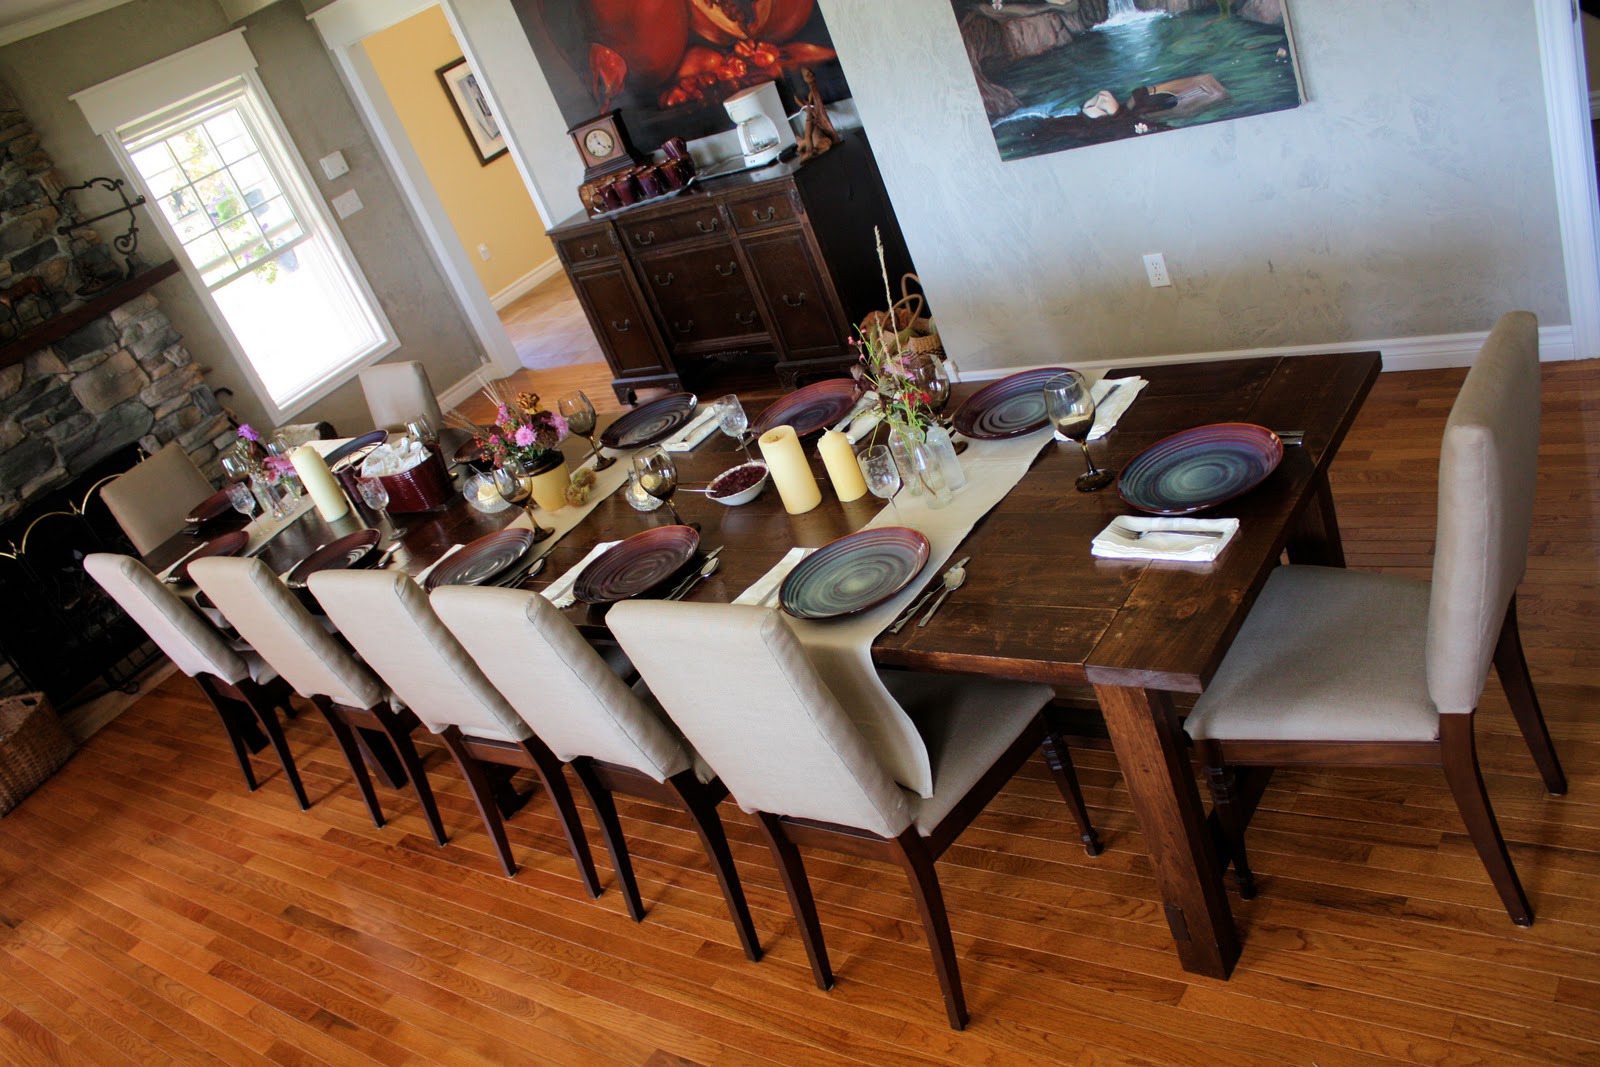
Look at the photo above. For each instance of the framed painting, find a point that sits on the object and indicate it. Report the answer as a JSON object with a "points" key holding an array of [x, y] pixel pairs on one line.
{"points": [[472, 109], [667, 65], [1061, 74]]}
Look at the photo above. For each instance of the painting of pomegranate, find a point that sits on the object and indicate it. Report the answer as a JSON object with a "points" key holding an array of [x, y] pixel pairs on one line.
{"points": [[669, 64]]}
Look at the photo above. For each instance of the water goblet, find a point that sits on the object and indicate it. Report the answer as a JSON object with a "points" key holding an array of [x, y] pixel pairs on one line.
{"points": [[576, 408], [235, 467], [1071, 408], [928, 374], [883, 474], [376, 496], [242, 499], [732, 420], [658, 475], [514, 482]]}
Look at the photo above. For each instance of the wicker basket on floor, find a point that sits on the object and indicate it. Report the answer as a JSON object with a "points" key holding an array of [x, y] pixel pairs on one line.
{"points": [[33, 746]]}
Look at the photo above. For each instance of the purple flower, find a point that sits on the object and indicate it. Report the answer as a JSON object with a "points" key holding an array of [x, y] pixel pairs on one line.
{"points": [[524, 436], [247, 433], [503, 414]]}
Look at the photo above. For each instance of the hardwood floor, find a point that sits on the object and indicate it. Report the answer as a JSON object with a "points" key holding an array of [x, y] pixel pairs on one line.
{"points": [[548, 329], [151, 910]]}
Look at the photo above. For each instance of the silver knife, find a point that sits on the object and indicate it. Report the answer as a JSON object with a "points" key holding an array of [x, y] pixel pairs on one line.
{"points": [[922, 601]]}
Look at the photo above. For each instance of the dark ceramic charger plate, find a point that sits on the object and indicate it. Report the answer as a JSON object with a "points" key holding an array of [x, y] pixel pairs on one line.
{"points": [[229, 544], [1199, 468], [1010, 407], [854, 573], [345, 553], [810, 409], [481, 561], [636, 565], [356, 444], [652, 422], [210, 509]]}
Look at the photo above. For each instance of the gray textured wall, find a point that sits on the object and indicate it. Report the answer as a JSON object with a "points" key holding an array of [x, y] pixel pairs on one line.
{"points": [[299, 75]]}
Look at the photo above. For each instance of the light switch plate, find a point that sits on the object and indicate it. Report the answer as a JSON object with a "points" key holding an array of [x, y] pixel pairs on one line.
{"points": [[334, 166], [347, 204]]}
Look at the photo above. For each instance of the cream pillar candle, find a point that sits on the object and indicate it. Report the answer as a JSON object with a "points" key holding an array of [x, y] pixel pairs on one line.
{"points": [[780, 447], [843, 470], [319, 482]]}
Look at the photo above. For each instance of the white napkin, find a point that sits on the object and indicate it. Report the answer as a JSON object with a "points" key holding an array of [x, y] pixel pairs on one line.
{"points": [[867, 402], [862, 425], [422, 576], [765, 588], [1186, 540], [559, 592], [700, 427], [1112, 397]]}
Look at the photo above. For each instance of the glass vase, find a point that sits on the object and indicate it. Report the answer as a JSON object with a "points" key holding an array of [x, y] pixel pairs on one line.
{"points": [[936, 440], [901, 445]]}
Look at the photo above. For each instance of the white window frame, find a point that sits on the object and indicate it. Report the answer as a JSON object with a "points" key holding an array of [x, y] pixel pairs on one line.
{"points": [[129, 98]]}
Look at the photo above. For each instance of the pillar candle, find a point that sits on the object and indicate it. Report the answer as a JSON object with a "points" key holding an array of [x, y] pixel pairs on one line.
{"points": [[319, 482], [780, 447], [843, 470]]}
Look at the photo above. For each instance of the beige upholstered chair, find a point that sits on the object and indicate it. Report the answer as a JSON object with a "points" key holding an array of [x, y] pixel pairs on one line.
{"points": [[1341, 667], [738, 683], [243, 689], [397, 393], [385, 616], [359, 708], [151, 501], [581, 709]]}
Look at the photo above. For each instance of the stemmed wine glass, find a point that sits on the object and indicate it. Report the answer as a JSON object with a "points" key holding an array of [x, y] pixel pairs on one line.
{"points": [[576, 408], [928, 374], [1071, 407], [376, 496], [242, 499], [658, 476], [235, 467], [513, 480], [883, 474], [732, 420]]}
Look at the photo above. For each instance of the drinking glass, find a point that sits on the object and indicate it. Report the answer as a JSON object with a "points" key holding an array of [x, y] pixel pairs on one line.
{"points": [[930, 469], [659, 477], [1071, 407], [883, 474], [235, 467], [579, 413], [242, 499], [928, 374], [514, 482], [376, 496], [732, 421], [424, 431]]}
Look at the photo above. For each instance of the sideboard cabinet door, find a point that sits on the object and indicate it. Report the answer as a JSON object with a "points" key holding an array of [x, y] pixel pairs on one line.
{"points": [[801, 307]]}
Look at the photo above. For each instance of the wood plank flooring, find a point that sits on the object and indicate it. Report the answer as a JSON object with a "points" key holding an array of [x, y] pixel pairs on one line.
{"points": [[153, 911]]}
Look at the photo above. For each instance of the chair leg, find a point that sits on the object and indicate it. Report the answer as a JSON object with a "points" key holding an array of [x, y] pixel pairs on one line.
{"points": [[798, 888], [1230, 819], [708, 824], [1466, 783], [244, 733], [918, 864], [1056, 755], [1512, 667], [268, 716], [406, 750], [555, 783], [241, 750], [605, 809], [482, 796], [345, 736]]}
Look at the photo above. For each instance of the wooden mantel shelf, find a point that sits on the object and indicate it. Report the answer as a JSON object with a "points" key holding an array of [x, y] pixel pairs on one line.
{"points": [[52, 330]]}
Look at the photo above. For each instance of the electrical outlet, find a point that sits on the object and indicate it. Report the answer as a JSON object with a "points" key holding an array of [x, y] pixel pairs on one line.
{"points": [[1155, 266], [483, 252]]}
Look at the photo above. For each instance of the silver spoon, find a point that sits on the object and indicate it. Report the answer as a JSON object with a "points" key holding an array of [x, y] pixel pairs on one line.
{"points": [[923, 600], [706, 570], [954, 578]]}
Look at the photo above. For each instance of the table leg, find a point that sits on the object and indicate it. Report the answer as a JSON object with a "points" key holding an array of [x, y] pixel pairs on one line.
{"points": [[1154, 758], [1315, 538]]}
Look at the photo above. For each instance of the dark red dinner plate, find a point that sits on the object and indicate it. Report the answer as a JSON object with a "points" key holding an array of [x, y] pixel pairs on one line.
{"points": [[811, 409], [649, 423], [356, 444], [1010, 407], [482, 560], [349, 551], [229, 544], [637, 565], [210, 509]]}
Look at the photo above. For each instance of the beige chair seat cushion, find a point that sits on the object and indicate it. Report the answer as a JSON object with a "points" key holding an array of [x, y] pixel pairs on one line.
{"points": [[967, 723], [1325, 655]]}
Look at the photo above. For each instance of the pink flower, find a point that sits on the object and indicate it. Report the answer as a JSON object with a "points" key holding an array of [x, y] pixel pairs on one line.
{"points": [[494, 439], [559, 424], [503, 414], [247, 433], [524, 436]]}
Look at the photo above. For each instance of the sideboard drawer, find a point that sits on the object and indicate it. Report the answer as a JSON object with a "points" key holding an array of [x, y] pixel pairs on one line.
{"points": [[591, 245], [700, 220], [757, 213]]}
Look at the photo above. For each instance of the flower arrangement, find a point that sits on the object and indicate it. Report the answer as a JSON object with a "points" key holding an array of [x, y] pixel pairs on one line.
{"points": [[884, 366], [522, 430]]}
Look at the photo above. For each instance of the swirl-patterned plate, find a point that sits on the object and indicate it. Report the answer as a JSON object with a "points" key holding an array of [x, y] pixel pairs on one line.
{"points": [[229, 544], [1200, 468], [211, 508], [649, 423], [1010, 407], [854, 573], [482, 560], [351, 550], [811, 409], [637, 565], [356, 444]]}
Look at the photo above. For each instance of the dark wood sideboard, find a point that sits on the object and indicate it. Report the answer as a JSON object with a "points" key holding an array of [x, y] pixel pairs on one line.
{"points": [[771, 267]]}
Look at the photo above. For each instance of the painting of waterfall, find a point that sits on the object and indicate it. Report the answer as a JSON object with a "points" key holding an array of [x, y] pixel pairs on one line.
{"points": [[1060, 74]]}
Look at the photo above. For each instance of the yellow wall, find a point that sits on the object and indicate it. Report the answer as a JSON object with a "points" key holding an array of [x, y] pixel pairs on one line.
{"points": [[487, 205]]}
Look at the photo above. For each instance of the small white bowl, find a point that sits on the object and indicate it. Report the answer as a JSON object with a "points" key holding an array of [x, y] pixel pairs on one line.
{"points": [[743, 496]]}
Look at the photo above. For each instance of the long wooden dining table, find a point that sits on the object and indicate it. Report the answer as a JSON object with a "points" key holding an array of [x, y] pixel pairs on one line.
{"points": [[1036, 605]]}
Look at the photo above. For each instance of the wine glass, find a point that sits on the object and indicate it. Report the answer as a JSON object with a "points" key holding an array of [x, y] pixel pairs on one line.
{"points": [[732, 420], [1071, 407], [376, 496], [242, 499], [576, 408], [883, 474], [423, 431], [931, 471], [514, 482], [235, 467], [928, 374], [658, 475]]}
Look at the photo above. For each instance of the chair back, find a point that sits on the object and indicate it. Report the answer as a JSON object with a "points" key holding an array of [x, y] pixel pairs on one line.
{"points": [[172, 623], [397, 393], [740, 686], [151, 501], [557, 682], [1487, 471], [385, 617], [280, 629]]}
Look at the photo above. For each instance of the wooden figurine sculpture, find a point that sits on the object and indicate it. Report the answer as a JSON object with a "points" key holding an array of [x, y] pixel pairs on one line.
{"points": [[819, 135]]}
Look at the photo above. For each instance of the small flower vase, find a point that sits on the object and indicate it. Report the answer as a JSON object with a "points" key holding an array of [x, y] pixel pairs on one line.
{"points": [[902, 444], [548, 479], [937, 441]]}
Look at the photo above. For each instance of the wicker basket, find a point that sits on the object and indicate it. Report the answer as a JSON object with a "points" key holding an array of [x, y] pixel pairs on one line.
{"points": [[33, 746]]}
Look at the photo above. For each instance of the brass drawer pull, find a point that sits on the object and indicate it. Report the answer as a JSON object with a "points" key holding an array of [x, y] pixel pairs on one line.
{"points": [[794, 301], [590, 251], [683, 327], [664, 282], [732, 268], [703, 228], [744, 320], [759, 217], [648, 238], [622, 327]]}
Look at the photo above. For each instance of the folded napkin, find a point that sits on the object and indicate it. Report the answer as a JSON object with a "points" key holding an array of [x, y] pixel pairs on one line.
{"points": [[862, 425], [699, 428], [867, 402], [1112, 397], [765, 588], [1148, 537], [559, 592], [422, 576]]}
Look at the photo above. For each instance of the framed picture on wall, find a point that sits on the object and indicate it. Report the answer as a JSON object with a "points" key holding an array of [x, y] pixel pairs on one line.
{"points": [[472, 108]]}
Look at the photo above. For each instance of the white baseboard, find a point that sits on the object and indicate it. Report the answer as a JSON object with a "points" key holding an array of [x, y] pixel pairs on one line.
{"points": [[527, 283], [1399, 354], [458, 392]]}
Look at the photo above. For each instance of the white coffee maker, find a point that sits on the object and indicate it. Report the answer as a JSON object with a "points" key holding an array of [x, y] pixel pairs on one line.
{"points": [[764, 130]]}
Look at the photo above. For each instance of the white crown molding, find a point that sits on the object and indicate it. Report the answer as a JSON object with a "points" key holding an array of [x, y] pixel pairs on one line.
{"points": [[57, 17]]}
